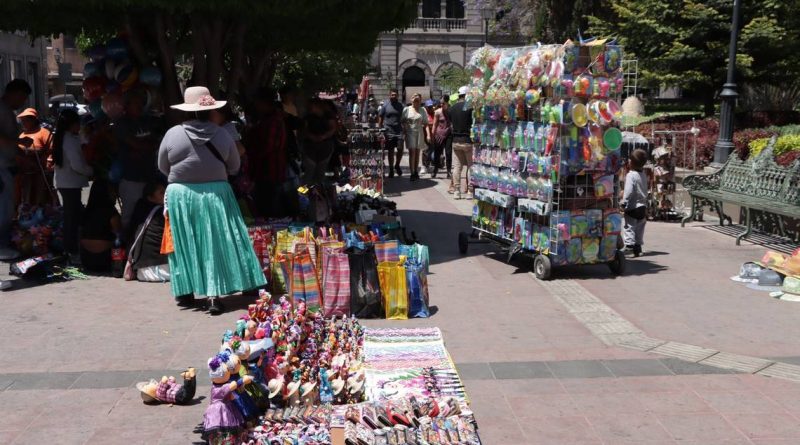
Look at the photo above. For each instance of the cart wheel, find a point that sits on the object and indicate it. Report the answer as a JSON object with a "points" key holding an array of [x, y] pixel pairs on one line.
{"points": [[542, 267], [617, 266], [463, 242]]}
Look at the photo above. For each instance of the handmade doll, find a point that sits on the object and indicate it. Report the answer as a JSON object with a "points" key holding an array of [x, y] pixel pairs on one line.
{"points": [[258, 389], [241, 400], [222, 422], [169, 391]]}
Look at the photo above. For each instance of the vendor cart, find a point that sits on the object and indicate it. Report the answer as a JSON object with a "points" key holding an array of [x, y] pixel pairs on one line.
{"points": [[366, 158], [546, 184]]}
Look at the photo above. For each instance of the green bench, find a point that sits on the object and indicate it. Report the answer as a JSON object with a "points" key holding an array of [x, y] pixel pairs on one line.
{"points": [[764, 190]]}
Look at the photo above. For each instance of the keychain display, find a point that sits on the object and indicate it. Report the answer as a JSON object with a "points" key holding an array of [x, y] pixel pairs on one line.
{"points": [[546, 157], [366, 159]]}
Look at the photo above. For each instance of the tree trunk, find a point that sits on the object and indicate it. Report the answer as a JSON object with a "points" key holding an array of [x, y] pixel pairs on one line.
{"points": [[166, 61], [135, 42], [215, 47], [199, 64], [237, 62]]}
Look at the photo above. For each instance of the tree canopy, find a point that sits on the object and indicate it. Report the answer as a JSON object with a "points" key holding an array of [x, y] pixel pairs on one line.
{"points": [[232, 45], [546, 21], [685, 42]]}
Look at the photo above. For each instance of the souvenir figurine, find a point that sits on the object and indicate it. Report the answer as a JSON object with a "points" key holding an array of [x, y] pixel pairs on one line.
{"points": [[222, 422], [241, 400], [258, 389], [168, 390]]}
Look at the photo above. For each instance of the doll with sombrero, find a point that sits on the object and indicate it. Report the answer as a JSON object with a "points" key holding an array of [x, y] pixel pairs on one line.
{"points": [[168, 390]]}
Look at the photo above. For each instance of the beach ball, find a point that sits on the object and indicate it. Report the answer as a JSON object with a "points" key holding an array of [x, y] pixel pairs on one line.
{"points": [[93, 88], [92, 69], [126, 75], [116, 49], [531, 97], [113, 105], [150, 76], [110, 68], [96, 52], [112, 86]]}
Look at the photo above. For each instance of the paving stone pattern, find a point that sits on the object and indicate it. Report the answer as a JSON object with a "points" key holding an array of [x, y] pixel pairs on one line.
{"points": [[629, 360]]}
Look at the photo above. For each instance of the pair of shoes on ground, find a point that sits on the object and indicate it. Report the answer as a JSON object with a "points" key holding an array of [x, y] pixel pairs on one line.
{"points": [[214, 306], [636, 249]]}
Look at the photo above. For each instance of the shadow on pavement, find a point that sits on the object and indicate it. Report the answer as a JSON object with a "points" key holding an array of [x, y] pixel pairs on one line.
{"points": [[439, 231], [398, 185]]}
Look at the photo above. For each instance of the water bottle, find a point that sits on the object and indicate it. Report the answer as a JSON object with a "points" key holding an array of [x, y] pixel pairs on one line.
{"points": [[117, 259]]}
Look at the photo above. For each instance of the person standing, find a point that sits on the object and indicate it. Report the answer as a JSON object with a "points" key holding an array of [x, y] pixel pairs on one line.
{"points": [[14, 97], [137, 135], [267, 155], [461, 118], [415, 127], [319, 141], [442, 133], [427, 150], [634, 202], [212, 254], [35, 175], [71, 175], [389, 119]]}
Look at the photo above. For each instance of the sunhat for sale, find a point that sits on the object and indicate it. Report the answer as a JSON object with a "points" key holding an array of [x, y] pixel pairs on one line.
{"points": [[579, 116], [198, 99], [772, 259], [748, 273], [28, 112], [274, 386], [768, 280], [146, 398], [612, 139], [790, 290]]}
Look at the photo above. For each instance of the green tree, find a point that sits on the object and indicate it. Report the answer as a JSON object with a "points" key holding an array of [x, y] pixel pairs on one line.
{"points": [[685, 42], [452, 77], [315, 71], [232, 46], [546, 21]]}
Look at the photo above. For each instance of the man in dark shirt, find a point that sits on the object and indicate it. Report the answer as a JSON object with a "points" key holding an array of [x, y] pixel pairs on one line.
{"points": [[389, 118], [138, 136], [461, 117]]}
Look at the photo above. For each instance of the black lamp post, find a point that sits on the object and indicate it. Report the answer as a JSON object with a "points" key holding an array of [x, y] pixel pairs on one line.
{"points": [[724, 145], [487, 13]]}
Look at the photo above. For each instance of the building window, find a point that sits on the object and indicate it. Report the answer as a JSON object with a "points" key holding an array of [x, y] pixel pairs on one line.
{"points": [[15, 69], [431, 9], [455, 9], [33, 81]]}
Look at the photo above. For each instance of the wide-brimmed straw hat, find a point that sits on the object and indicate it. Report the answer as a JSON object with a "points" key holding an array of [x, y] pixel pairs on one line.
{"points": [[146, 398], [198, 99]]}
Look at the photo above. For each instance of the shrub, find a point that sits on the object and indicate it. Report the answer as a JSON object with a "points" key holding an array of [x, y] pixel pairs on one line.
{"points": [[787, 159], [787, 143], [756, 146]]}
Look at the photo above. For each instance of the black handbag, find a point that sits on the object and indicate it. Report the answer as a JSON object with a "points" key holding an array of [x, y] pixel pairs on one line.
{"points": [[637, 213], [365, 289]]}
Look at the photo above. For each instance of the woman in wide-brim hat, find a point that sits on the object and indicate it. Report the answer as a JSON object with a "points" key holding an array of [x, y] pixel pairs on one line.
{"points": [[213, 255]]}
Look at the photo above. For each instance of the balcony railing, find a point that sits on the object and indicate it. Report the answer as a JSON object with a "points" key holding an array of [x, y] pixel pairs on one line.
{"points": [[436, 24]]}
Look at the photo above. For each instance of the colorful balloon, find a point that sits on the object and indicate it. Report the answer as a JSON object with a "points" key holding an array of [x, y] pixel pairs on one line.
{"points": [[126, 75], [93, 88], [150, 76], [92, 69], [116, 49], [113, 105], [96, 52]]}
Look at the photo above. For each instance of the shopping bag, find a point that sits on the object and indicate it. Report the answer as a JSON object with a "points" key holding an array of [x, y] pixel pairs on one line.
{"points": [[336, 284], [392, 276], [283, 241], [417, 284], [365, 288], [418, 252], [304, 284], [167, 244], [324, 248], [387, 251], [280, 268]]}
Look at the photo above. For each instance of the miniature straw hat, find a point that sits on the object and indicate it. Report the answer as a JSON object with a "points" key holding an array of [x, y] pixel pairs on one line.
{"points": [[146, 398]]}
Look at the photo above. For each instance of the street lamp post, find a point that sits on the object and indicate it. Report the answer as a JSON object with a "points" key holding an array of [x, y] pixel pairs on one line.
{"points": [[724, 145], [487, 13]]}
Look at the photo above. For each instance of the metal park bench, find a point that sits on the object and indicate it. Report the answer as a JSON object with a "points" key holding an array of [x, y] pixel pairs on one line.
{"points": [[765, 191]]}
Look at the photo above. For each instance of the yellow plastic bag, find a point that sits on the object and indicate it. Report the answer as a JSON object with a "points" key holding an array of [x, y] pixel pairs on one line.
{"points": [[392, 276]]}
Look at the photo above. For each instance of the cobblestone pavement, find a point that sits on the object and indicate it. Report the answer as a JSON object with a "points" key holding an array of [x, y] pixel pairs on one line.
{"points": [[537, 370]]}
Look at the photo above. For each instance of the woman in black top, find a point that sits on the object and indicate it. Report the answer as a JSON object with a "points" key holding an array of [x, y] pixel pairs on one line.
{"points": [[100, 228], [318, 143]]}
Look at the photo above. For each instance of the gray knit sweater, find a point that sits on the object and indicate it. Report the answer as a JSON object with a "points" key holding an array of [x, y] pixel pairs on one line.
{"points": [[184, 157]]}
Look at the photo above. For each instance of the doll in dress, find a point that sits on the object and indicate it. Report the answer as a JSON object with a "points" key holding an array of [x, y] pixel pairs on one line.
{"points": [[223, 424], [241, 399]]}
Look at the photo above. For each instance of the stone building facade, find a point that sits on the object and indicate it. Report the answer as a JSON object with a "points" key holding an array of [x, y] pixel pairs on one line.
{"points": [[21, 58], [445, 33]]}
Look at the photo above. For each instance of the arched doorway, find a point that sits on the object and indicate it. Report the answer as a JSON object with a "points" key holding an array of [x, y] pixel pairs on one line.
{"points": [[413, 76]]}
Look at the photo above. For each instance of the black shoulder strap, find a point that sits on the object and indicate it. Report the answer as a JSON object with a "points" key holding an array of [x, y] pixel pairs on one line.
{"points": [[214, 151]]}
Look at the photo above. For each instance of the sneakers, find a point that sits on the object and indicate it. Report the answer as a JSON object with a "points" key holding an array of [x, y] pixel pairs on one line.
{"points": [[422, 171], [457, 194], [215, 306], [468, 195]]}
